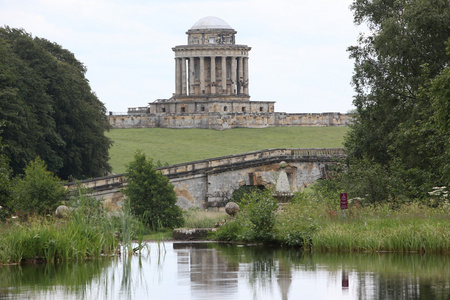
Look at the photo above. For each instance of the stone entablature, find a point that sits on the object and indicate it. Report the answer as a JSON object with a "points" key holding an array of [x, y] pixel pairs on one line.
{"points": [[209, 106], [221, 121]]}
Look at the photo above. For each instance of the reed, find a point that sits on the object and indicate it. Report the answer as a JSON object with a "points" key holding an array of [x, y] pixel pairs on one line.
{"points": [[408, 228], [89, 232]]}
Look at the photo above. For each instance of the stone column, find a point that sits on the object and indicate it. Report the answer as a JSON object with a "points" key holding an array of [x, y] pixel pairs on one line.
{"points": [[191, 76], [240, 75], [213, 75], [224, 74], [183, 76], [233, 75], [202, 74], [246, 83], [177, 76]]}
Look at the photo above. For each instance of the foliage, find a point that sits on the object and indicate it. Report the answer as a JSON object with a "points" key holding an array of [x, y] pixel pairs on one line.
{"points": [[259, 209], [5, 184], [87, 233], [49, 109], [152, 197], [401, 84], [39, 191], [239, 194], [255, 221]]}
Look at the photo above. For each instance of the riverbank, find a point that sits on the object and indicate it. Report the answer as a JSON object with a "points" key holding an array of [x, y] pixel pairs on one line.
{"points": [[315, 224]]}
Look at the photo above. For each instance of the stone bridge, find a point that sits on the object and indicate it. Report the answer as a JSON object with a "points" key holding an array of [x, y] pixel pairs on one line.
{"points": [[211, 182]]}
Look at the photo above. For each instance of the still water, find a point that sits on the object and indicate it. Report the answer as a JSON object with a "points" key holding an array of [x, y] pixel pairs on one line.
{"points": [[185, 271]]}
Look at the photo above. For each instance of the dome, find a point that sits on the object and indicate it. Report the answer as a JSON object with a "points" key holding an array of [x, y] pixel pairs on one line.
{"points": [[211, 23]]}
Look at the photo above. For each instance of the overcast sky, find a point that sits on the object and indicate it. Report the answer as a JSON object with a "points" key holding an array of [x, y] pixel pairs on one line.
{"points": [[298, 56]]}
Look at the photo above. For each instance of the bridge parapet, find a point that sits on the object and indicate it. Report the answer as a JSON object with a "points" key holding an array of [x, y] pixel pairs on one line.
{"points": [[255, 157]]}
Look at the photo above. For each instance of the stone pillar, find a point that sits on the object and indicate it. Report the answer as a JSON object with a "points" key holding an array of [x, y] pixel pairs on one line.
{"points": [[183, 76], [191, 76], [177, 76], [246, 75], [240, 75], [213, 75], [224, 74], [233, 75], [202, 74]]}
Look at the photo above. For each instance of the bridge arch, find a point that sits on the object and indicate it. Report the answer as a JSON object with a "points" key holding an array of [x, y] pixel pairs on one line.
{"points": [[209, 183]]}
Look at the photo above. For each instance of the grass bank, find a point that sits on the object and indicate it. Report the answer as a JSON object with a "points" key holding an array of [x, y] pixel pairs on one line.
{"points": [[174, 146], [313, 222]]}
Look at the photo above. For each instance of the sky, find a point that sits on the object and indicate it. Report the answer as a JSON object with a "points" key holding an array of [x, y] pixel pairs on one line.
{"points": [[298, 56]]}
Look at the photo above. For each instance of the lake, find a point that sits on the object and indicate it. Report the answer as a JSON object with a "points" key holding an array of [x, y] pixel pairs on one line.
{"points": [[183, 271]]}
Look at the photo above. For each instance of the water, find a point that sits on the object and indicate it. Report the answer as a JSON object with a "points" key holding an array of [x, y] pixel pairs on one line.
{"points": [[185, 271]]}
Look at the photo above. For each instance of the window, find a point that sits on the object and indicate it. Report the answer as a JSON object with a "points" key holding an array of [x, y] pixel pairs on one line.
{"points": [[225, 108], [203, 108], [212, 40], [243, 108], [195, 40], [183, 109], [261, 108], [228, 40], [163, 109]]}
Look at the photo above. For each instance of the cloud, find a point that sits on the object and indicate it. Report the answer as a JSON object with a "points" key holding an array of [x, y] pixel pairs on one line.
{"points": [[298, 55]]}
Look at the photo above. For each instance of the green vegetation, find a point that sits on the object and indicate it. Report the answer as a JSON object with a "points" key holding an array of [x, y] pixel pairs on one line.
{"points": [[47, 109], [88, 231], [39, 191], [151, 195], [401, 81], [174, 146], [199, 218], [313, 221]]}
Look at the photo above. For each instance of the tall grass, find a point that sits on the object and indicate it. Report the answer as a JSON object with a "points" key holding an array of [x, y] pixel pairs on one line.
{"points": [[313, 222], [184, 145], [87, 233], [198, 218]]}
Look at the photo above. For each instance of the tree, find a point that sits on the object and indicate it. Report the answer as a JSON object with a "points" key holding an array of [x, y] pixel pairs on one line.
{"points": [[394, 64], [151, 195], [39, 190], [5, 183], [49, 109]]}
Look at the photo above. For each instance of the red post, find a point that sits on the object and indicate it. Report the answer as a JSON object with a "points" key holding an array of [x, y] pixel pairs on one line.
{"points": [[344, 201]]}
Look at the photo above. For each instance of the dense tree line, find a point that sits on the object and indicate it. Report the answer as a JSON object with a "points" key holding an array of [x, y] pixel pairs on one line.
{"points": [[399, 146], [47, 108]]}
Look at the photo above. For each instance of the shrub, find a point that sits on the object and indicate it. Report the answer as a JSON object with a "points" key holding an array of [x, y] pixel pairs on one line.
{"points": [[259, 209], [38, 191], [152, 197]]}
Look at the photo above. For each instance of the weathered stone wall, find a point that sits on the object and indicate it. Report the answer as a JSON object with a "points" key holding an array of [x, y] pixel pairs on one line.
{"points": [[222, 121], [210, 182]]}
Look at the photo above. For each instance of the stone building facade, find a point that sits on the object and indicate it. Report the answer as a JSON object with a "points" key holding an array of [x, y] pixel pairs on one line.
{"points": [[212, 89]]}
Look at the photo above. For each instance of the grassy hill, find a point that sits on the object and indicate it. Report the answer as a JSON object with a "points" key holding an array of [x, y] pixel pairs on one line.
{"points": [[183, 145]]}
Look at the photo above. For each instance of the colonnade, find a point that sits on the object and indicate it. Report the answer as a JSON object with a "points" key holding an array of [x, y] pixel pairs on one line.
{"points": [[211, 75]]}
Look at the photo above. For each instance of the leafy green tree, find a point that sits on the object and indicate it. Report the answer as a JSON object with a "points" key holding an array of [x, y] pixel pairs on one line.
{"points": [[38, 191], [394, 63], [5, 184], [49, 109], [151, 195]]}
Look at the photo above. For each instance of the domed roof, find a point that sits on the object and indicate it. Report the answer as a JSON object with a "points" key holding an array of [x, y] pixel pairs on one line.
{"points": [[211, 23]]}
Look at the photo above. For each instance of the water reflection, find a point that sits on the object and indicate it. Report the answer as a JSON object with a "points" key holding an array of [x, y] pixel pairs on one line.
{"points": [[221, 271]]}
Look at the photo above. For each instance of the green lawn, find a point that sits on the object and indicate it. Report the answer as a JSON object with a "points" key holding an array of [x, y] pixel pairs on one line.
{"points": [[183, 145]]}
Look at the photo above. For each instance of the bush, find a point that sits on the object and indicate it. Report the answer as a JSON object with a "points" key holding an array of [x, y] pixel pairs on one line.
{"points": [[152, 197], [39, 191], [259, 209]]}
